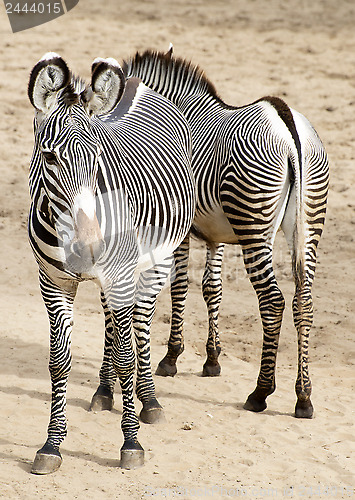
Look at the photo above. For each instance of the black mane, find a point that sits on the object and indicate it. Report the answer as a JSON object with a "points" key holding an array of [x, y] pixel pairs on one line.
{"points": [[175, 66], [71, 94], [191, 74]]}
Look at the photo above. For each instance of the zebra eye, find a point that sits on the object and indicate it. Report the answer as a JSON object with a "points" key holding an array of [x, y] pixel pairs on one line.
{"points": [[50, 157]]}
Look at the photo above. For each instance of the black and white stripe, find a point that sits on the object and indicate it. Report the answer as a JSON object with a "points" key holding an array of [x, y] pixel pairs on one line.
{"points": [[257, 167], [112, 197]]}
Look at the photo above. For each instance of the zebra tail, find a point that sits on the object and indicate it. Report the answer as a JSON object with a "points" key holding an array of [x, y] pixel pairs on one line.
{"points": [[299, 236], [294, 217]]}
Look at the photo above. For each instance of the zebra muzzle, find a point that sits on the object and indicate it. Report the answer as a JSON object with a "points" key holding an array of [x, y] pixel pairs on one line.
{"points": [[90, 252], [88, 245]]}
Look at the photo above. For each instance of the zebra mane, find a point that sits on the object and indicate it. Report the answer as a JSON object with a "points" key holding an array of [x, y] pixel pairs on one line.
{"points": [[158, 69], [71, 94]]}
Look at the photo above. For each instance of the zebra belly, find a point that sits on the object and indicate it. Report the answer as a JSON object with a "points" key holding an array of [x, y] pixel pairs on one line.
{"points": [[214, 226]]}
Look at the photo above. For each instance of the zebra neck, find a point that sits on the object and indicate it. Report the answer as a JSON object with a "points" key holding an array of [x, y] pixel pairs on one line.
{"points": [[175, 79], [199, 107]]}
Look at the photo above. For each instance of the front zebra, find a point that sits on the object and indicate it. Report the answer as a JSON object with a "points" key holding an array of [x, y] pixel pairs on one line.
{"points": [[257, 167], [112, 196]]}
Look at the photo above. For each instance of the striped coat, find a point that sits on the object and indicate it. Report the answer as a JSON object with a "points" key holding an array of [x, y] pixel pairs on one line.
{"points": [[112, 196], [258, 168]]}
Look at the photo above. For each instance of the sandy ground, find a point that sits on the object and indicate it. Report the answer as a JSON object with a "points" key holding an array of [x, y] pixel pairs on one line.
{"points": [[248, 48]]}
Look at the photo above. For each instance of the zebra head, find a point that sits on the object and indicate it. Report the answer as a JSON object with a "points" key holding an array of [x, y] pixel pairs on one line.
{"points": [[66, 156]]}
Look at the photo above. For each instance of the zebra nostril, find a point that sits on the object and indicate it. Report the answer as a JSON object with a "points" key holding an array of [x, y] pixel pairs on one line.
{"points": [[96, 250], [76, 249]]}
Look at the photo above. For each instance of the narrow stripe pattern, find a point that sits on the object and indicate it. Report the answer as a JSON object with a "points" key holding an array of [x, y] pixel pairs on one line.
{"points": [[112, 196], [257, 168]]}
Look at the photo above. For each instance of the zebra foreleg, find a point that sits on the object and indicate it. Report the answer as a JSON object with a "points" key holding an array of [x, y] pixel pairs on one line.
{"points": [[271, 307], [212, 293], [59, 304], [148, 287], [123, 361], [103, 398], [178, 290]]}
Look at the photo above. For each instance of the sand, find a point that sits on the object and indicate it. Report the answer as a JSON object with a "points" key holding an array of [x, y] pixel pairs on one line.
{"points": [[208, 445]]}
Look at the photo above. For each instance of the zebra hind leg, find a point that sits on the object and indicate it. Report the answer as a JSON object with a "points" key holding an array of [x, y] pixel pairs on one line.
{"points": [[303, 272], [212, 294], [303, 318], [303, 267], [103, 398], [258, 264], [179, 287]]}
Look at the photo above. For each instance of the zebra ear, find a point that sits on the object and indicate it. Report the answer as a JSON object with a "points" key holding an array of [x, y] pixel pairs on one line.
{"points": [[49, 75], [107, 84]]}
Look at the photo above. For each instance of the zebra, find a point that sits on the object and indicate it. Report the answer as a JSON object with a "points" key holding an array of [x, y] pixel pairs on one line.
{"points": [[257, 168], [112, 195]]}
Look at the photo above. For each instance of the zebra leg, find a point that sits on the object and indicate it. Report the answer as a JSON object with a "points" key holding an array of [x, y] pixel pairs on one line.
{"points": [[178, 290], [103, 397], [303, 318], [302, 301], [123, 361], [148, 287], [258, 264], [303, 269], [152, 411], [212, 293], [59, 304]]}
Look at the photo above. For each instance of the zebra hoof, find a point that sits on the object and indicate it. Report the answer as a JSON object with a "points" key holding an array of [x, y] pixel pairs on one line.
{"points": [[102, 399], [304, 409], [256, 402], [166, 368], [47, 460], [255, 406], [211, 370], [152, 412], [132, 455]]}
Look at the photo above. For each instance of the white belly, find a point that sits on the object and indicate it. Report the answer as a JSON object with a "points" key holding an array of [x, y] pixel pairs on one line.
{"points": [[215, 226]]}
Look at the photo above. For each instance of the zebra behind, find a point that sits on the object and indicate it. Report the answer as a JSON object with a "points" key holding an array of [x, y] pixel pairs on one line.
{"points": [[257, 168], [112, 196]]}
